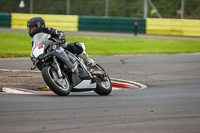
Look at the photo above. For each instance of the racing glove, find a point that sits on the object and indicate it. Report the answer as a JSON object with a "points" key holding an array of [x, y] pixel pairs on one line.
{"points": [[61, 38], [61, 41]]}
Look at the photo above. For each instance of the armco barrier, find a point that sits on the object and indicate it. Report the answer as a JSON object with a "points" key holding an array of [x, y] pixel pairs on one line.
{"points": [[183, 27], [111, 24], [5, 20], [60, 22]]}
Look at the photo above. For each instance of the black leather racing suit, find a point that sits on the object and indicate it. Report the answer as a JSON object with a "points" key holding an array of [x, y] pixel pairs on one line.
{"points": [[75, 48], [55, 34]]}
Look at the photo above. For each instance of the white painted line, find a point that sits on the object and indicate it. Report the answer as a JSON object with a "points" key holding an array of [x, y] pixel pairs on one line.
{"points": [[11, 70], [114, 88], [14, 91], [26, 91]]}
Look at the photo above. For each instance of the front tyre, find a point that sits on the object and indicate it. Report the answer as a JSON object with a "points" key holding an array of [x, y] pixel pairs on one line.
{"points": [[104, 86], [60, 86]]}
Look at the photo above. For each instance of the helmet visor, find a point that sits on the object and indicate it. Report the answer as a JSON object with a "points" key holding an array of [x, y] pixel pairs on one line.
{"points": [[33, 28]]}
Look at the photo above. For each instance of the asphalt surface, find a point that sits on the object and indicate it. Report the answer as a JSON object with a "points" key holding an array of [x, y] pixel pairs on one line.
{"points": [[170, 104]]}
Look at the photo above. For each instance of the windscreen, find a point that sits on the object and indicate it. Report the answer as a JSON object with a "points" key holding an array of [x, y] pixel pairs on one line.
{"points": [[38, 40]]}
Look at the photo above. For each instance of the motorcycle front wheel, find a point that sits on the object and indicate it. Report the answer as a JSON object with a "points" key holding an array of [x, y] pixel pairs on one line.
{"points": [[60, 86], [104, 86]]}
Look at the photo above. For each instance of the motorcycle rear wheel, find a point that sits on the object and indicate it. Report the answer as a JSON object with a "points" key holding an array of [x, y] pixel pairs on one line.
{"points": [[60, 86]]}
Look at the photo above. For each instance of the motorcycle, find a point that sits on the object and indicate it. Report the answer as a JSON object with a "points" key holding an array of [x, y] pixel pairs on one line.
{"points": [[65, 72]]}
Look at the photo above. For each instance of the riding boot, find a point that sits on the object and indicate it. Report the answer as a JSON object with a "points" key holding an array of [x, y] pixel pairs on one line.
{"points": [[90, 62]]}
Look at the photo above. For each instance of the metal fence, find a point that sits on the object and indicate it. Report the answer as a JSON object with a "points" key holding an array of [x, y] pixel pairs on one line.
{"points": [[120, 8]]}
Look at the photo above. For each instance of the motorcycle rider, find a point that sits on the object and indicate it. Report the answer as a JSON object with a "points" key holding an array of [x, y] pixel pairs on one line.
{"points": [[37, 25]]}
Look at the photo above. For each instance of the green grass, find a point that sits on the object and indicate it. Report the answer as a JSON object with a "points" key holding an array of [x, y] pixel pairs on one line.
{"points": [[19, 45]]}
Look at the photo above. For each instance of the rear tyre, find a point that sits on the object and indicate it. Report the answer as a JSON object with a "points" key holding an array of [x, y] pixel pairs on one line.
{"points": [[60, 86]]}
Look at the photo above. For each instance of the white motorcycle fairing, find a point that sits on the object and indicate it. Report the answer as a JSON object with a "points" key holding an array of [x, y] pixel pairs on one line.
{"points": [[38, 51], [86, 84]]}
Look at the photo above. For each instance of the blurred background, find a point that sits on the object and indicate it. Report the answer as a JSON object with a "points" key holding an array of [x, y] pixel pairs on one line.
{"points": [[132, 18], [179, 17], [189, 9]]}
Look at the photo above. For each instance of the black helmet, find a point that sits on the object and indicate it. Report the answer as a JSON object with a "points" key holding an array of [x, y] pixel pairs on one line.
{"points": [[38, 22]]}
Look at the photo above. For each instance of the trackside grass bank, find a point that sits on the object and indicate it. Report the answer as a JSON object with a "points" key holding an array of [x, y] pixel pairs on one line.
{"points": [[19, 45]]}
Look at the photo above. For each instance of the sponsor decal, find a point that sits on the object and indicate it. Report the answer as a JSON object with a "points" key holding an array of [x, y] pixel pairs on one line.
{"points": [[54, 46], [42, 46], [59, 50]]}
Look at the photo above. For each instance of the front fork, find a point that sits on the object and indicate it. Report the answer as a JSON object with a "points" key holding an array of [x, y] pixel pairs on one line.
{"points": [[58, 67]]}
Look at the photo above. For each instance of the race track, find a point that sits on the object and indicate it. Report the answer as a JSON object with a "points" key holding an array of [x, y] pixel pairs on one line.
{"points": [[170, 104]]}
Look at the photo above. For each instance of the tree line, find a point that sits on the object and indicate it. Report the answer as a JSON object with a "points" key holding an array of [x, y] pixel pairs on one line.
{"points": [[119, 8]]}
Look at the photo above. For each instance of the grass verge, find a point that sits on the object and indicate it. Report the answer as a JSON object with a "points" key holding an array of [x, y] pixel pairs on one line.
{"points": [[19, 45]]}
